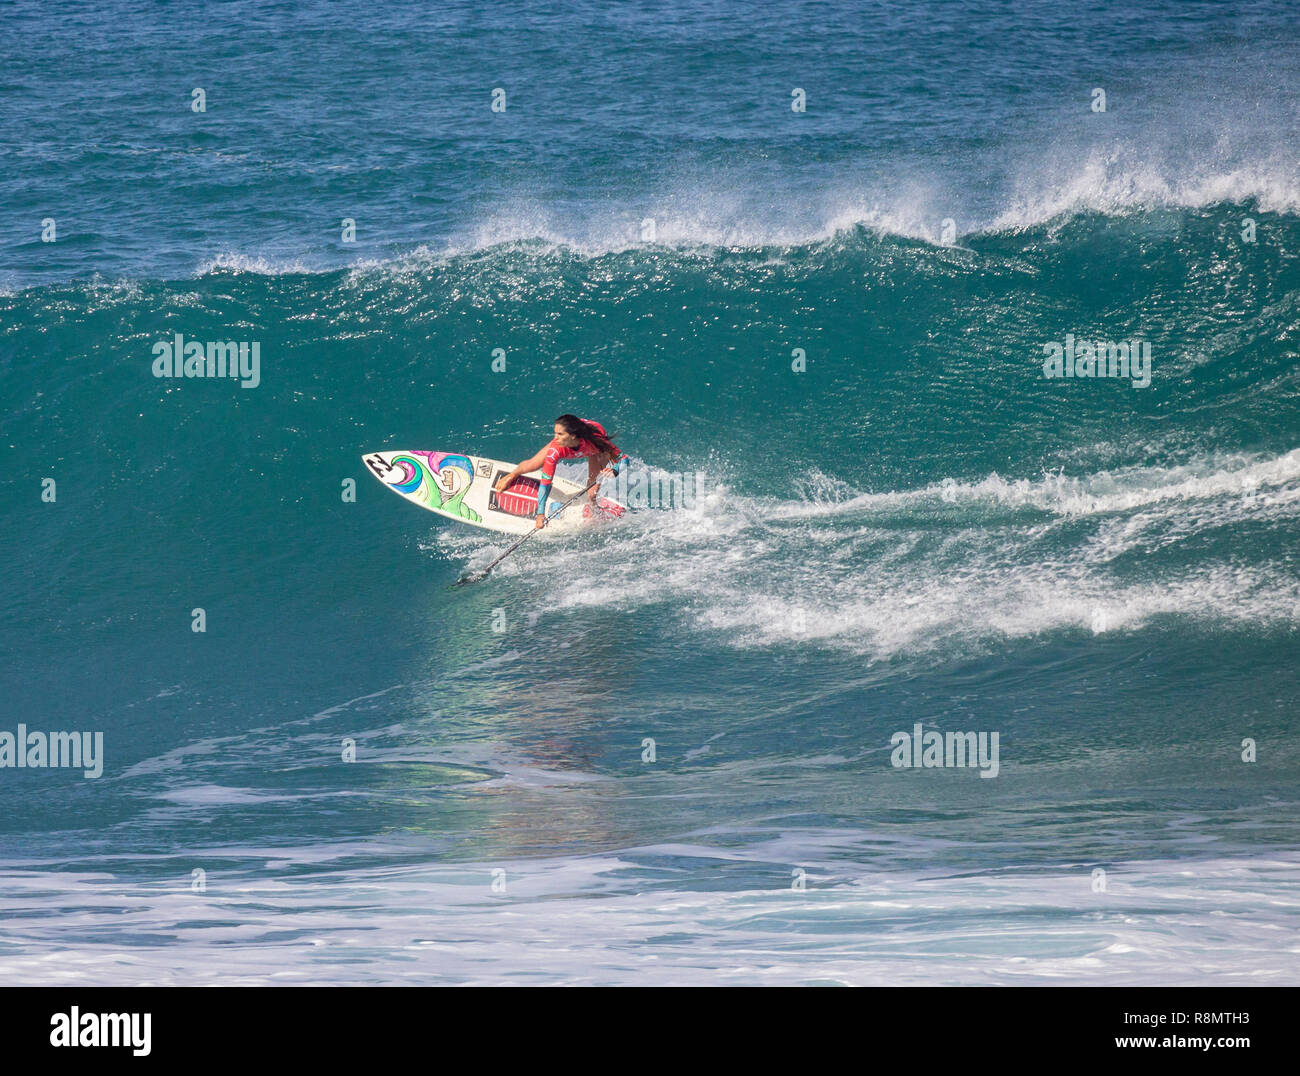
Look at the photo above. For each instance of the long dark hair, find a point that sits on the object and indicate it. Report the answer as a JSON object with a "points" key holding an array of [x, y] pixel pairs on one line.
{"points": [[585, 431]]}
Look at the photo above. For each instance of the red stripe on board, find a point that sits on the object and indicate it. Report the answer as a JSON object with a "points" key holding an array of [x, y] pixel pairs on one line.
{"points": [[520, 499]]}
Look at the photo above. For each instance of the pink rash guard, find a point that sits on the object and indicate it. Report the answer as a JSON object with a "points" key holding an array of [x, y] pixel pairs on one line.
{"points": [[556, 452]]}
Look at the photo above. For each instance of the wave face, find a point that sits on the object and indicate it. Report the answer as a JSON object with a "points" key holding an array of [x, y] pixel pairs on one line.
{"points": [[916, 528]]}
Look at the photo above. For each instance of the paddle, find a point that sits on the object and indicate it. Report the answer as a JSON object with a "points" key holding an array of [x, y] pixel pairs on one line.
{"points": [[475, 577]]}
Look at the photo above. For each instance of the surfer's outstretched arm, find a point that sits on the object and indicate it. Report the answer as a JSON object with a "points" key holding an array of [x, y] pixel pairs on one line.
{"points": [[545, 462], [528, 465]]}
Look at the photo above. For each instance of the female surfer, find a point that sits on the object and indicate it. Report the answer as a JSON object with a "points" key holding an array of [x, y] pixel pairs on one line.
{"points": [[574, 437]]}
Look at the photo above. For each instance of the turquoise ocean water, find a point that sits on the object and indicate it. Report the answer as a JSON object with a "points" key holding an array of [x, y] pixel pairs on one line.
{"points": [[918, 528]]}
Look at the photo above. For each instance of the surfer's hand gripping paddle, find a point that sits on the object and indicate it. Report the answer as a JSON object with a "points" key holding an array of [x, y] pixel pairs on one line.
{"points": [[475, 577]]}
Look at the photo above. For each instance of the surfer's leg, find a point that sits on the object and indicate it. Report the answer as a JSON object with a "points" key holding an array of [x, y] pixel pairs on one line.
{"points": [[595, 464]]}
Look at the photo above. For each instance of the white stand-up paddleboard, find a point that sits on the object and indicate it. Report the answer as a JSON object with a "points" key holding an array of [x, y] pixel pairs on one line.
{"points": [[464, 488]]}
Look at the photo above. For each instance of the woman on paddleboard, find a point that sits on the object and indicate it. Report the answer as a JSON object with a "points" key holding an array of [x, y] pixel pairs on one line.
{"points": [[574, 437]]}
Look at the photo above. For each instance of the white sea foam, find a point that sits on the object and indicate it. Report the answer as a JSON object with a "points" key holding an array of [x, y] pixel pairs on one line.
{"points": [[954, 566], [1111, 182], [612, 919], [1234, 475], [259, 264], [1107, 181], [699, 217]]}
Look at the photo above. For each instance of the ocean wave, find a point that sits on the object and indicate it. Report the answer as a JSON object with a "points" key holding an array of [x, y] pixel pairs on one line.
{"points": [[1099, 186], [952, 567], [629, 920], [1102, 184], [260, 265]]}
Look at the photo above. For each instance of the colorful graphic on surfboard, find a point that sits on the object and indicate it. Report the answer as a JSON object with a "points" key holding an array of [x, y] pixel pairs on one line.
{"points": [[463, 487]]}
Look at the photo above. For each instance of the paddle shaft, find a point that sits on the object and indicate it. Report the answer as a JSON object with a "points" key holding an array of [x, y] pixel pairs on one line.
{"points": [[475, 577]]}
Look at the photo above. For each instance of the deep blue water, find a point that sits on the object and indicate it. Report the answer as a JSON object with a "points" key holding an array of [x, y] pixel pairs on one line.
{"points": [[919, 527]]}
